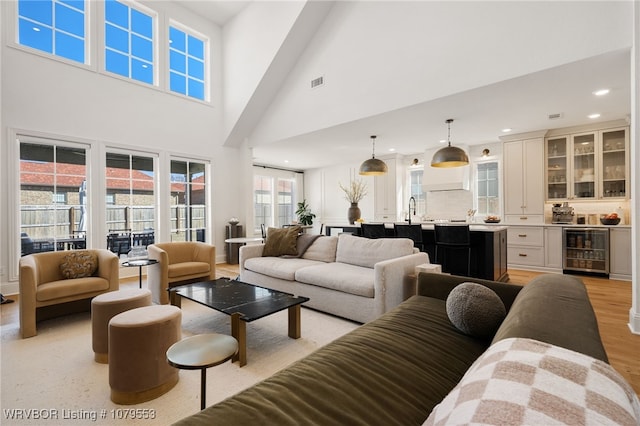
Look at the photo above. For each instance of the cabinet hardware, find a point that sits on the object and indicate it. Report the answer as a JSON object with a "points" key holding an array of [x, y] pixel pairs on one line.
{"points": [[522, 255], [523, 218], [522, 235]]}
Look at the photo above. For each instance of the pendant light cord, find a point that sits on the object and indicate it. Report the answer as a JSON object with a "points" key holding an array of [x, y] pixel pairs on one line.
{"points": [[373, 138]]}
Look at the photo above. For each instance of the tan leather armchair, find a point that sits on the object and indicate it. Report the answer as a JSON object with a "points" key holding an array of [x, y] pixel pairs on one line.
{"points": [[42, 286], [179, 263]]}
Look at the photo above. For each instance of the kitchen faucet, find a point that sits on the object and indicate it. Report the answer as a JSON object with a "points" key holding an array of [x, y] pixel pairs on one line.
{"points": [[414, 208]]}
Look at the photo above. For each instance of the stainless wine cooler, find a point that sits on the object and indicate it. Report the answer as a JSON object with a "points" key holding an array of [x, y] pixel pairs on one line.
{"points": [[585, 250]]}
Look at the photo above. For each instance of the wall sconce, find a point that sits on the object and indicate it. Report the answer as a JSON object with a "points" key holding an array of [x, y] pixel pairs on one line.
{"points": [[485, 153]]}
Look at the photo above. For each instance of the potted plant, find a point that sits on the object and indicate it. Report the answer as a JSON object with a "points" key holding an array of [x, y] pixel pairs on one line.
{"points": [[353, 193], [305, 217]]}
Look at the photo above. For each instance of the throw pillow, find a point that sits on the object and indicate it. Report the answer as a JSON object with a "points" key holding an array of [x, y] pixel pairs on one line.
{"points": [[281, 241], [79, 264], [303, 242], [475, 310], [527, 382]]}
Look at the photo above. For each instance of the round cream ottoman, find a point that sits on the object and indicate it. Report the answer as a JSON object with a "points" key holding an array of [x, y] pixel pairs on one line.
{"points": [[106, 306], [138, 343]]}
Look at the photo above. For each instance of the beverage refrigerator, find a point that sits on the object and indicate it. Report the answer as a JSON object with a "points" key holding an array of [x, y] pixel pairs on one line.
{"points": [[586, 251]]}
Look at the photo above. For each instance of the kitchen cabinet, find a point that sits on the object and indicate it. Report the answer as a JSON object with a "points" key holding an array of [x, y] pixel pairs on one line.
{"points": [[523, 181], [620, 246], [553, 247], [587, 166], [388, 192], [525, 245], [614, 163]]}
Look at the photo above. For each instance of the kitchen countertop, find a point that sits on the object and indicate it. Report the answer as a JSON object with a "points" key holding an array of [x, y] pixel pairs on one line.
{"points": [[429, 225]]}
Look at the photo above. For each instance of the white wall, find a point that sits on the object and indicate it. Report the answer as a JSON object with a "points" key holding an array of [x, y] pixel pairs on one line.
{"points": [[50, 97], [634, 312], [363, 50]]}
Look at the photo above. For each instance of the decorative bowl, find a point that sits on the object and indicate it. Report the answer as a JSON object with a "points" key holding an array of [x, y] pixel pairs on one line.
{"points": [[492, 220], [606, 221]]}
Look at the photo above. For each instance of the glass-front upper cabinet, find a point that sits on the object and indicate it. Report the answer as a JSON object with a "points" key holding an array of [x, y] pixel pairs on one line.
{"points": [[557, 167], [588, 166], [584, 165], [614, 163]]}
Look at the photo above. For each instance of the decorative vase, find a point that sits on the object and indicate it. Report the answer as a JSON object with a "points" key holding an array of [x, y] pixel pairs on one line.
{"points": [[353, 213]]}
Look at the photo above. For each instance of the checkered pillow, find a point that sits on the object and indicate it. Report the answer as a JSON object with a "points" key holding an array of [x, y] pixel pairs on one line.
{"points": [[523, 381]]}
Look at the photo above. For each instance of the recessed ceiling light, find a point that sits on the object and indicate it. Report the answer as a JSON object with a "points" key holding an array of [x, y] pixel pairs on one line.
{"points": [[392, 149], [601, 92], [442, 141], [506, 130], [286, 161], [592, 116]]}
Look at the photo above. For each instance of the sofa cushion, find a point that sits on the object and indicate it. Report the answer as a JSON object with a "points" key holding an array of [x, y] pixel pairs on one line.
{"points": [[524, 381], [367, 252], [177, 270], [550, 308], [79, 264], [323, 249], [278, 267], [281, 241], [70, 287], [339, 276], [475, 310]]}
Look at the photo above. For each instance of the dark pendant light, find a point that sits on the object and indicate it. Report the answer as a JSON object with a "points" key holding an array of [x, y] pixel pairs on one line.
{"points": [[449, 156], [373, 166]]}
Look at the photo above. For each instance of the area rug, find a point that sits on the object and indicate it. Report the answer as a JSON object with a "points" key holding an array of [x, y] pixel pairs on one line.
{"points": [[52, 379]]}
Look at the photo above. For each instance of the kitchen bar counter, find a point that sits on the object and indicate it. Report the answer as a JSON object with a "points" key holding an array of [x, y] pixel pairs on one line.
{"points": [[488, 246]]}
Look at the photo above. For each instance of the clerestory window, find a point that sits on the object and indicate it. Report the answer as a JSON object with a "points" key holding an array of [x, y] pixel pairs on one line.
{"points": [[57, 27], [187, 63], [129, 41]]}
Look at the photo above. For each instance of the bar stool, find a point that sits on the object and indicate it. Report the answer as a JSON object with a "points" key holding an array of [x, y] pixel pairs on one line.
{"points": [[413, 232], [201, 352], [373, 230], [450, 238]]}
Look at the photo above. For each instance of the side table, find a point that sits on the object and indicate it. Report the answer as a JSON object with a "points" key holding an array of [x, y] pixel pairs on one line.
{"points": [[139, 263], [200, 352]]}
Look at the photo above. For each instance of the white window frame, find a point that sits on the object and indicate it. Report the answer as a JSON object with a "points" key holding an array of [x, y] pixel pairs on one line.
{"points": [[89, 38], [14, 218], [500, 185], [155, 38], [207, 60]]}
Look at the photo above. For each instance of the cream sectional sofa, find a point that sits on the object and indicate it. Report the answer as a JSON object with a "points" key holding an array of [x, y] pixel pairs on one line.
{"points": [[351, 277]]}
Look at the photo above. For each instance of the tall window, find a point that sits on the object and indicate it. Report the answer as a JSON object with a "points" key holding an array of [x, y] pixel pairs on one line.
{"points": [[57, 27], [262, 202], [130, 190], [273, 201], [187, 65], [488, 195], [188, 200], [53, 210], [415, 190], [129, 41]]}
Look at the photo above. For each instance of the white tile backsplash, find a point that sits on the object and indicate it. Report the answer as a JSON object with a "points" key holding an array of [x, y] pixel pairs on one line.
{"points": [[449, 204]]}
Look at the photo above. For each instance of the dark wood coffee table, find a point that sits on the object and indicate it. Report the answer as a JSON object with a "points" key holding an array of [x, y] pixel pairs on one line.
{"points": [[244, 302]]}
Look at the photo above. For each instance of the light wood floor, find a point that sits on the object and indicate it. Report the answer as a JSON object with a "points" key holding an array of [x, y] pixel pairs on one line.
{"points": [[611, 300]]}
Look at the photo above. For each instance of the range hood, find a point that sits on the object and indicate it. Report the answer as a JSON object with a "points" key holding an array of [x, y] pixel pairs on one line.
{"points": [[443, 178]]}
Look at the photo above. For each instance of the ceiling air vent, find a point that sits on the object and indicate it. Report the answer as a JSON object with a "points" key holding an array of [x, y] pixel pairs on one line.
{"points": [[317, 82], [555, 116]]}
